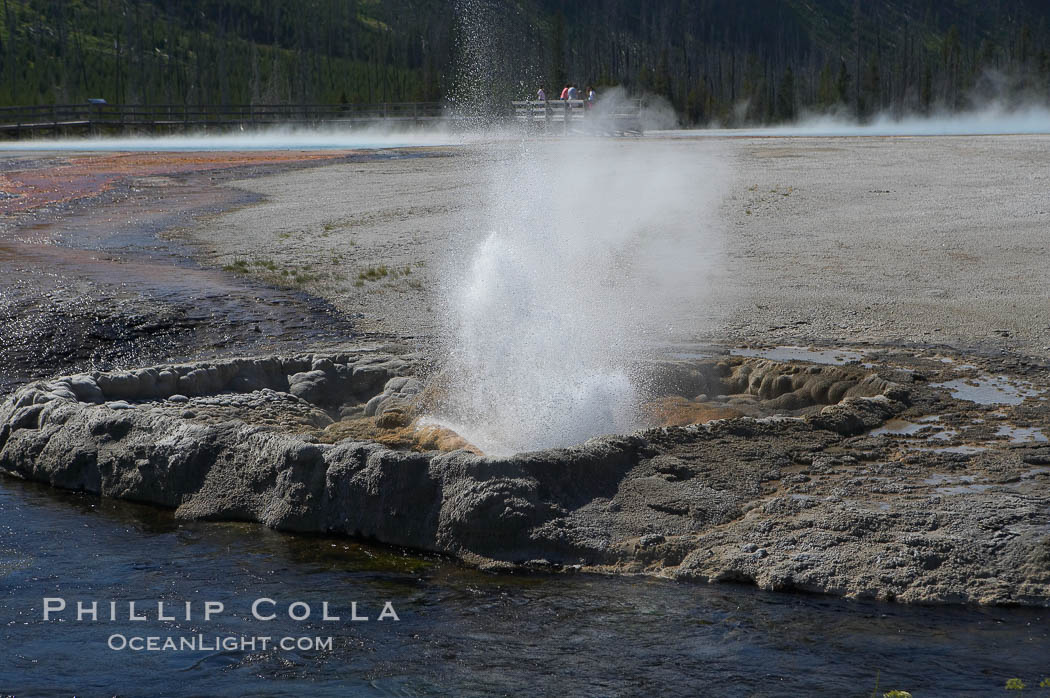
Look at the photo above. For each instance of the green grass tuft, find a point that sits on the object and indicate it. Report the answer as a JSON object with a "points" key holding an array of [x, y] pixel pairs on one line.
{"points": [[238, 266], [374, 273]]}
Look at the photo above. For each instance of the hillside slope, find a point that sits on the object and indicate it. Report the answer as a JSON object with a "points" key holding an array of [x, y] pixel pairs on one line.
{"points": [[716, 60]]}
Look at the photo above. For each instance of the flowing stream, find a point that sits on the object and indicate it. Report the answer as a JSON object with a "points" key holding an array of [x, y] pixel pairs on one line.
{"points": [[461, 632]]}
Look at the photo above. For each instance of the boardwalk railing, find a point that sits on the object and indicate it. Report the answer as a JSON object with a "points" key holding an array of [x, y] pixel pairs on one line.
{"points": [[545, 112], [17, 121], [567, 114]]}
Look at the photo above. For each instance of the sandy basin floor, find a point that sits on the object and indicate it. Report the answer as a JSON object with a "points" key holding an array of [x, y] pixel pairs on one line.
{"points": [[891, 241], [886, 242], [924, 255]]}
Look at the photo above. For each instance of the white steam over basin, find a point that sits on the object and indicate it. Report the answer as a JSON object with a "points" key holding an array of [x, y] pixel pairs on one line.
{"points": [[271, 139], [992, 120]]}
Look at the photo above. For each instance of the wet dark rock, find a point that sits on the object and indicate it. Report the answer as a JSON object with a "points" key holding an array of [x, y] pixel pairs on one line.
{"points": [[781, 503], [1041, 457], [856, 415]]}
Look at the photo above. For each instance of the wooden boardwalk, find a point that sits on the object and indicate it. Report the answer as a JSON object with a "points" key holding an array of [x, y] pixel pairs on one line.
{"points": [[108, 119], [18, 122], [573, 114]]}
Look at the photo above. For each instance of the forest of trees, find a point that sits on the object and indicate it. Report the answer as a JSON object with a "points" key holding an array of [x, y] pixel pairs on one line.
{"points": [[724, 61], [768, 60], [222, 52]]}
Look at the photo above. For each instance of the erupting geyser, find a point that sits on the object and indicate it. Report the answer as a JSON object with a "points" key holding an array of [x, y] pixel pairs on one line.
{"points": [[588, 251]]}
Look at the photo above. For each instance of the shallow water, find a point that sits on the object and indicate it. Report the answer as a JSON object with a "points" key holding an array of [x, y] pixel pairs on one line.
{"points": [[989, 390], [109, 269], [830, 357], [1020, 435], [899, 427], [963, 449], [461, 632]]}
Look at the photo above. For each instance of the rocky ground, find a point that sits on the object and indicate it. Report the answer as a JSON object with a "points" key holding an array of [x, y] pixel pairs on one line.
{"points": [[91, 277], [847, 480], [914, 262]]}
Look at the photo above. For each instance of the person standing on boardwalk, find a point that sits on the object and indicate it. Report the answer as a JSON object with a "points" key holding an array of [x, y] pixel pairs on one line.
{"points": [[541, 95], [564, 92], [571, 94]]}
